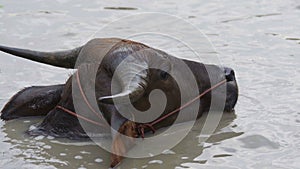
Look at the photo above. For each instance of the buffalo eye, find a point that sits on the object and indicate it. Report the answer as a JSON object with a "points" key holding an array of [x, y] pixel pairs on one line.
{"points": [[164, 75]]}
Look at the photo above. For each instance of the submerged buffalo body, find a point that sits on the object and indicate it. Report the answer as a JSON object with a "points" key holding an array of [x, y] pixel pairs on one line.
{"points": [[146, 67]]}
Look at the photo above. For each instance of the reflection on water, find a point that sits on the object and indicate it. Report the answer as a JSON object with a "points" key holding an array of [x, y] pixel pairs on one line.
{"points": [[259, 39], [48, 151]]}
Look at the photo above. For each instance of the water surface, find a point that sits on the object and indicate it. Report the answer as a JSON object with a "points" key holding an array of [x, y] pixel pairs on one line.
{"points": [[259, 39]]}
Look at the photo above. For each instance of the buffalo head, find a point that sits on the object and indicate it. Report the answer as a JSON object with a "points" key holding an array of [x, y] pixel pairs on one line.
{"points": [[127, 75]]}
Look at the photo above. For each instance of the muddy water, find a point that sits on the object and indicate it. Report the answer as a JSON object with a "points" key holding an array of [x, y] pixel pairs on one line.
{"points": [[259, 39]]}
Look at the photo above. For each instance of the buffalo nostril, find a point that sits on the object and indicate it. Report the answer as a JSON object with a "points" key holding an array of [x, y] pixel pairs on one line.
{"points": [[229, 74]]}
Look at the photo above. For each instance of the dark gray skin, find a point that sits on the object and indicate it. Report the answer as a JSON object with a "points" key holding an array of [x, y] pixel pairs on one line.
{"points": [[113, 51], [32, 101]]}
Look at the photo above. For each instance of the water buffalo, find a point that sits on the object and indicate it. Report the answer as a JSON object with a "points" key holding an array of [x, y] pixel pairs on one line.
{"points": [[146, 67]]}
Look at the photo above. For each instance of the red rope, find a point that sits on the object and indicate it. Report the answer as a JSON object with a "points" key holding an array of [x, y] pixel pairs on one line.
{"points": [[88, 104], [142, 127], [188, 103], [79, 116], [85, 99]]}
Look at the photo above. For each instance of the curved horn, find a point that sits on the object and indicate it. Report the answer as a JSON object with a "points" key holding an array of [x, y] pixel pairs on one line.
{"points": [[133, 78], [65, 59]]}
